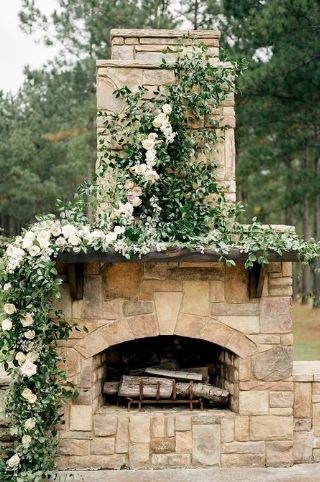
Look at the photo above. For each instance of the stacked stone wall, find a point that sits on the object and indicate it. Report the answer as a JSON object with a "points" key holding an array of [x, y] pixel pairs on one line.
{"points": [[208, 301]]}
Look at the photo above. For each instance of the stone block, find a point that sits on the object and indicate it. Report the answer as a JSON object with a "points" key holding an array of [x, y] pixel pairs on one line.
{"points": [[74, 447], [302, 424], [241, 428], [158, 426], [105, 425], [253, 403], [167, 309], [242, 460], [106, 100], [245, 324], [316, 455], [162, 445], [302, 447], [238, 309], [183, 422], [150, 286], [132, 308], [244, 369], [281, 411], [143, 326], [316, 419], [275, 290], [122, 435], [80, 418], [170, 425], [155, 271], [190, 325], [206, 445], [244, 448], [216, 291], [112, 309], [196, 299], [302, 400], [139, 428], [236, 285], [271, 427], [227, 429], [122, 280], [72, 363], [103, 446], [274, 386], [139, 455], [157, 77], [287, 339], [183, 442], [122, 52], [275, 315], [274, 364], [92, 297], [281, 399], [286, 269], [93, 462], [279, 454], [163, 461]]}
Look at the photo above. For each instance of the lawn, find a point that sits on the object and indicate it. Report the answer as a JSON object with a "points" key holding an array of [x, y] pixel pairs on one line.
{"points": [[306, 328]]}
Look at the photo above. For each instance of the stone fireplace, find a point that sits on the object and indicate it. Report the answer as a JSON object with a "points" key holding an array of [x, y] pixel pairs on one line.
{"points": [[195, 313]]}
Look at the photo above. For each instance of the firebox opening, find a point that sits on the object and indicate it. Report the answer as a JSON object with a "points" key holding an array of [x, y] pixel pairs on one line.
{"points": [[129, 361]]}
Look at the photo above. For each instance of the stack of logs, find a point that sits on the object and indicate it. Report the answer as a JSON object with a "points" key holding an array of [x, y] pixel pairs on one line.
{"points": [[166, 385]]}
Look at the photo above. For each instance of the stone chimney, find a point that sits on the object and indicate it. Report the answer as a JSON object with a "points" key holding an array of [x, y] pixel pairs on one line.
{"points": [[136, 56]]}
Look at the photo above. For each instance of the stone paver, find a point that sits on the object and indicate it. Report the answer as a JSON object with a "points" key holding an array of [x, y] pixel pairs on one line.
{"points": [[298, 473]]}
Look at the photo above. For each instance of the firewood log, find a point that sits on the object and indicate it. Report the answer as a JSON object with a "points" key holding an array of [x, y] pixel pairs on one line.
{"points": [[111, 388], [209, 392], [130, 387], [177, 374]]}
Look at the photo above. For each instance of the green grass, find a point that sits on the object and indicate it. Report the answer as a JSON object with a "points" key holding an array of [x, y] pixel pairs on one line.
{"points": [[306, 330]]}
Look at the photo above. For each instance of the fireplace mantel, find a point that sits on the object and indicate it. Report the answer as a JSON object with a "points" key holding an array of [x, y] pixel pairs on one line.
{"points": [[75, 263]]}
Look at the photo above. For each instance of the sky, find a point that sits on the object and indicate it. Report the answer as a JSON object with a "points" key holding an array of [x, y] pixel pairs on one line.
{"points": [[18, 49]]}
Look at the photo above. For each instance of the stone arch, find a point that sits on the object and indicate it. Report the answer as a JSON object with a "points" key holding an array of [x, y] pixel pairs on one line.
{"points": [[145, 326]]}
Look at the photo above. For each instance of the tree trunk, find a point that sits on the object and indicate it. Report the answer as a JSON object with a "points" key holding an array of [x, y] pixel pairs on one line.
{"points": [[306, 273], [316, 302]]}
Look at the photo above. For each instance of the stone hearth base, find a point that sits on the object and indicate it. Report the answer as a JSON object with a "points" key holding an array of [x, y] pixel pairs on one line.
{"points": [[179, 438]]}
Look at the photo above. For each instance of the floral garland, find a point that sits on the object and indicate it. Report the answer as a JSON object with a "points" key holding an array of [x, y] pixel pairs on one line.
{"points": [[158, 193]]}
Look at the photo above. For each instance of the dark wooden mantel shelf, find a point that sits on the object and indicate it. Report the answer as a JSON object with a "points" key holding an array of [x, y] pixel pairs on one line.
{"points": [[169, 255], [75, 262]]}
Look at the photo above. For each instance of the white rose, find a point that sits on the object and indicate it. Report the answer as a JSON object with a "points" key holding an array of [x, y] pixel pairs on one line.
{"points": [[6, 324], [30, 334], [28, 239], [136, 202], [9, 308], [30, 423], [28, 395], [157, 123], [151, 175], [6, 286], [61, 241], [119, 229], [153, 136], [28, 369], [43, 238], [14, 461], [55, 229], [20, 357], [109, 237], [137, 190], [163, 118], [32, 356], [74, 240], [27, 320], [148, 144], [34, 250], [26, 440], [166, 108], [68, 230], [129, 184]]}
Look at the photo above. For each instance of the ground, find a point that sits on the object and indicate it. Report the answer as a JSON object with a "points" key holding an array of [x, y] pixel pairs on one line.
{"points": [[306, 328]]}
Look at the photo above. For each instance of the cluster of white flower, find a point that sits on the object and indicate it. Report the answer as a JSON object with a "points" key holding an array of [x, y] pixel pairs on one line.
{"points": [[14, 461], [162, 122], [28, 395]]}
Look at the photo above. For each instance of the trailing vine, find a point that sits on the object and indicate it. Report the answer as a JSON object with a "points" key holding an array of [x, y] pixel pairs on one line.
{"points": [[158, 190]]}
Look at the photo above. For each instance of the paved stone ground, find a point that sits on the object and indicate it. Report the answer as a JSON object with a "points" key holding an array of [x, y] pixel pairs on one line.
{"points": [[304, 473]]}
